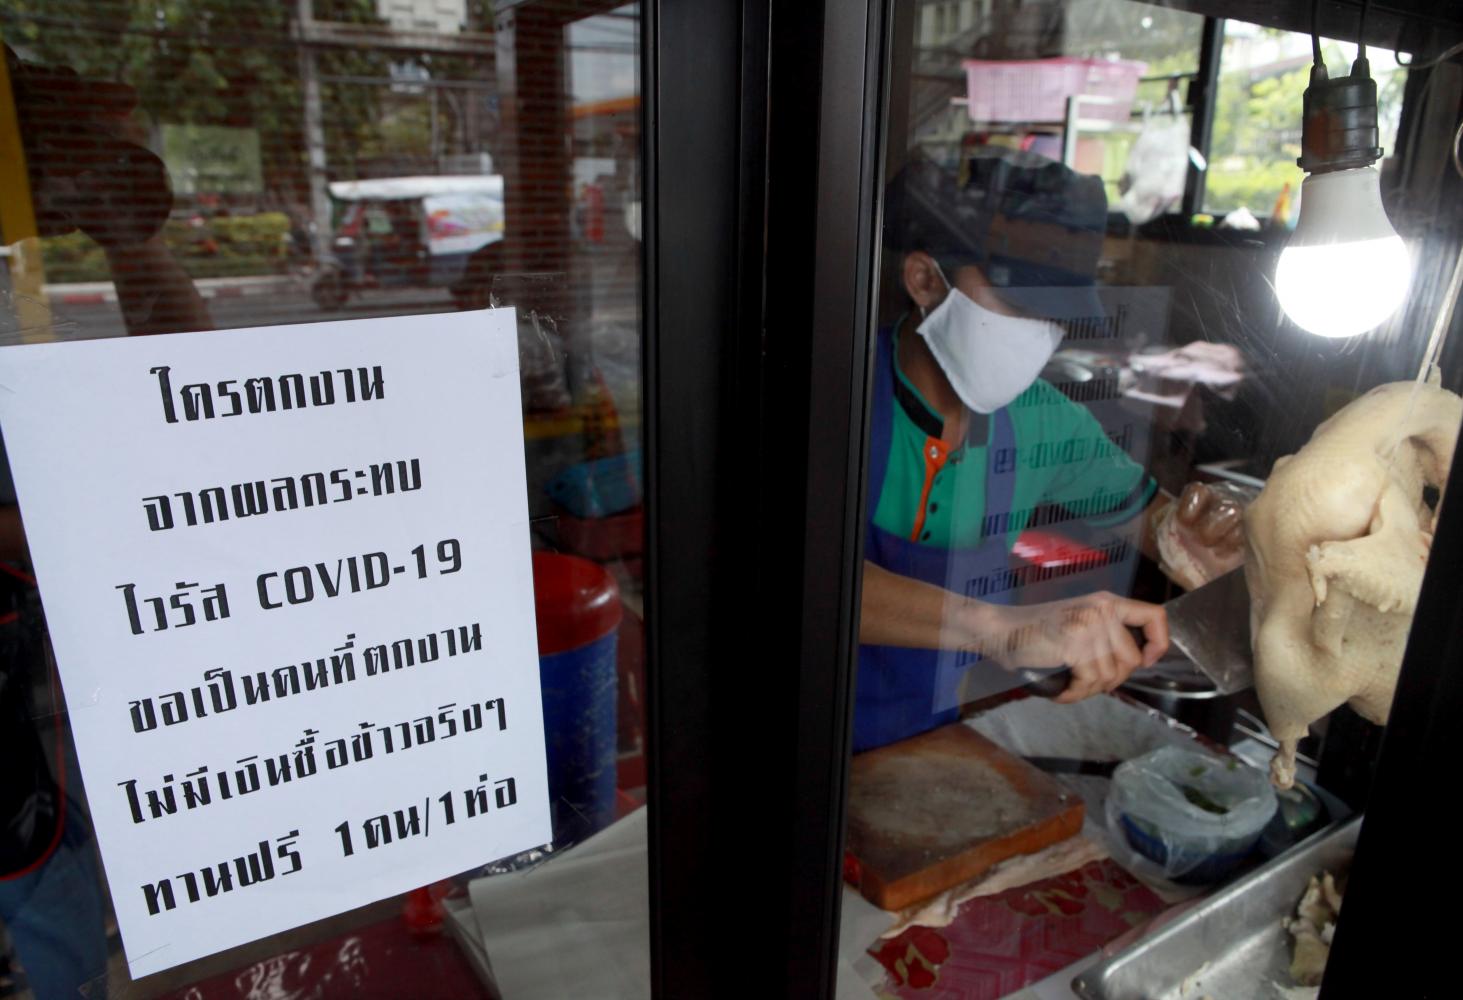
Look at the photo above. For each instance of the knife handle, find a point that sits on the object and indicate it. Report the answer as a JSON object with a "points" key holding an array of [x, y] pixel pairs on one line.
{"points": [[1049, 683]]}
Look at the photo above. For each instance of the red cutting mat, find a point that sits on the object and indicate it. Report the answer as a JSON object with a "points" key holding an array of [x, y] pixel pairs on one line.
{"points": [[383, 960], [998, 944]]}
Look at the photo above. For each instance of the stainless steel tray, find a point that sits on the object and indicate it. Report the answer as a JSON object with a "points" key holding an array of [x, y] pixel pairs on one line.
{"points": [[1230, 947]]}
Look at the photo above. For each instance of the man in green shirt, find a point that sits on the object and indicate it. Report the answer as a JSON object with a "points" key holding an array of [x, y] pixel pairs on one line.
{"points": [[968, 443]]}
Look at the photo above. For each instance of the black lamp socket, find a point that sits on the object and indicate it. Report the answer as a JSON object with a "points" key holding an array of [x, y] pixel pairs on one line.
{"points": [[1340, 124]]}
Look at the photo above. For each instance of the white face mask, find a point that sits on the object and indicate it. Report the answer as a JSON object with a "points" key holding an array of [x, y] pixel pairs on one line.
{"points": [[989, 359]]}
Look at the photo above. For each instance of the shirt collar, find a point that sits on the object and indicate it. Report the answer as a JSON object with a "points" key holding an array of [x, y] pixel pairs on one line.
{"points": [[917, 408]]}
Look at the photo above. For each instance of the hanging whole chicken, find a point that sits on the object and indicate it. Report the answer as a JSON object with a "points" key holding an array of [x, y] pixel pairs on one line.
{"points": [[1337, 543]]}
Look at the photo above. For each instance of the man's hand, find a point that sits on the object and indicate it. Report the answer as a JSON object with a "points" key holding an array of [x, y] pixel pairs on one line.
{"points": [[1202, 536], [1090, 635]]}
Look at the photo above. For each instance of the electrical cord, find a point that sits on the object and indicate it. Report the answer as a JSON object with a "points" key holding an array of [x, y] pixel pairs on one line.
{"points": [[1457, 137], [1361, 33], [1444, 57], [1316, 33]]}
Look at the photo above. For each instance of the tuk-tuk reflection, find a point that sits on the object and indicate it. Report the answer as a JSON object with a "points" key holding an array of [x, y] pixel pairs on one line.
{"points": [[407, 232]]}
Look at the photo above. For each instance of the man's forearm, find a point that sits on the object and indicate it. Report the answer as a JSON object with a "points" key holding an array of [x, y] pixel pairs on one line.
{"points": [[901, 611]]}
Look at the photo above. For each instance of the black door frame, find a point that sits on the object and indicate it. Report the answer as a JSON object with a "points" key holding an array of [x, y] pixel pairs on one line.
{"points": [[759, 234]]}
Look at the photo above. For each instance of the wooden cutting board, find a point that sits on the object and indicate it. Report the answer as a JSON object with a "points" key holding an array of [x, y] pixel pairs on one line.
{"points": [[930, 812]]}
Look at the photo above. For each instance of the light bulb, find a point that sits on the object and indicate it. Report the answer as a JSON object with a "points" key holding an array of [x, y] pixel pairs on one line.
{"points": [[1345, 270]]}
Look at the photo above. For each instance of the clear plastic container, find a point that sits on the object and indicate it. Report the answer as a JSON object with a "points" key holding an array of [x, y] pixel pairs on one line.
{"points": [[1195, 816]]}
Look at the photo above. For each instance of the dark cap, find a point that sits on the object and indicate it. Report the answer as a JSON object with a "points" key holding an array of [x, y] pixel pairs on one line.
{"points": [[1032, 225]]}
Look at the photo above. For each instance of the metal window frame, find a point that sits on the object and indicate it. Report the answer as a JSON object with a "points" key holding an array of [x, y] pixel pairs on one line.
{"points": [[1203, 91]]}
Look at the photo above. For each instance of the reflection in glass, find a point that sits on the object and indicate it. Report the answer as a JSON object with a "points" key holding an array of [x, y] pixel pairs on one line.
{"points": [[1102, 456], [195, 166]]}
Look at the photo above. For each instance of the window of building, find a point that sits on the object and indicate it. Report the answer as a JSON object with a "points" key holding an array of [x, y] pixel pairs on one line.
{"points": [[1263, 74]]}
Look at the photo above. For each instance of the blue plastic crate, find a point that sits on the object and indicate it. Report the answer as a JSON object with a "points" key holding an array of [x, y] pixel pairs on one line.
{"points": [[600, 488]]}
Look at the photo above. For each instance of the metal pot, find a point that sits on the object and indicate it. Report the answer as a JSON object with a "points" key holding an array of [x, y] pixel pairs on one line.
{"points": [[1177, 689]]}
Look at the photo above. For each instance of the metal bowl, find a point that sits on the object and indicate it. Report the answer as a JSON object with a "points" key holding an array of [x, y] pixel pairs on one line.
{"points": [[1176, 688]]}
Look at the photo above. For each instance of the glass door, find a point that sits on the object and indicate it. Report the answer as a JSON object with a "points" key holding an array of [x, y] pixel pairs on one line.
{"points": [[409, 176], [1115, 672]]}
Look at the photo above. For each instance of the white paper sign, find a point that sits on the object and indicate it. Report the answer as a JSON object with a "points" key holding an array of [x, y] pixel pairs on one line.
{"points": [[286, 574]]}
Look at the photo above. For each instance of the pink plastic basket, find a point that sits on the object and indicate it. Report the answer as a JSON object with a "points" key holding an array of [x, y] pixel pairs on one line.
{"points": [[1036, 90], [1116, 79]]}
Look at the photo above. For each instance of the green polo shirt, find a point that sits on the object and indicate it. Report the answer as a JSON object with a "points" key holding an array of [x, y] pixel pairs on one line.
{"points": [[1064, 461]]}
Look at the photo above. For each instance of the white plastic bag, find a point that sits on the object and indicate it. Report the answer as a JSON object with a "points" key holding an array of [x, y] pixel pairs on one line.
{"points": [[1194, 816], [1157, 168]]}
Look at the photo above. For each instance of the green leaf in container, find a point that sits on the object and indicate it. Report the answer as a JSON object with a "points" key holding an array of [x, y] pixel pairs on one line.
{"points": [[1197, 798]]}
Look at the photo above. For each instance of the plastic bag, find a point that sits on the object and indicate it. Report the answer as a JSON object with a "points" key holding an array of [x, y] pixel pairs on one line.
{"points": [[1194, 816], [1157, 168], [1181, 556], [541, 364], [615, 349]]}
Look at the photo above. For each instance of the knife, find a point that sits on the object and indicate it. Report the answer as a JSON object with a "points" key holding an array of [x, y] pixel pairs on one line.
{"points": [[1074, 765], [1046, 683], [1211, 626]]}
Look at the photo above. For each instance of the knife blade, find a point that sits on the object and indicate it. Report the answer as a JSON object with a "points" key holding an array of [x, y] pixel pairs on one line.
{"points": [[1211, 626], [1074, 765]]}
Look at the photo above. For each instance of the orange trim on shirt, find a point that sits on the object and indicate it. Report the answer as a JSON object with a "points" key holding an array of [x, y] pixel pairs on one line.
{"points": [[935, 453]]}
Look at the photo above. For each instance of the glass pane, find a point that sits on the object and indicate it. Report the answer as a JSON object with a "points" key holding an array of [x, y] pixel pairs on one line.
{"points": [[1105, 620], [181, 166]]}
